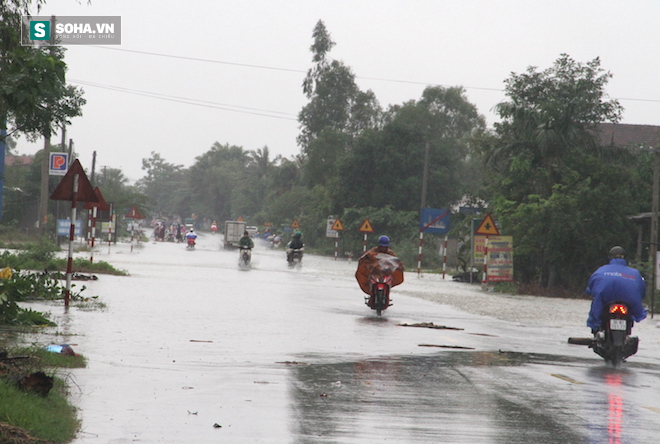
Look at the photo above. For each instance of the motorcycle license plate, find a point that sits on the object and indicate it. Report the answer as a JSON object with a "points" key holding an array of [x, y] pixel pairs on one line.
{"points": [[617, 324]]}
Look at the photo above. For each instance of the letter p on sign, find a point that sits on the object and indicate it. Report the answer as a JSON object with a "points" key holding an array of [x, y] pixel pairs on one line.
{"points": [[59, 163]]}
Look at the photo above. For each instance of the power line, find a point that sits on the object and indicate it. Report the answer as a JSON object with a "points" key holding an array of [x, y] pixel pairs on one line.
{"points": [[189, 101], [246, 65], [196, 59], [274, 68]]}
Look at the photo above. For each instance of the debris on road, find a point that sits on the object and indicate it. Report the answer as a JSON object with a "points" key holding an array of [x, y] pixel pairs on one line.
{"points": [[63, 349], [430, 325], [447, 346]]}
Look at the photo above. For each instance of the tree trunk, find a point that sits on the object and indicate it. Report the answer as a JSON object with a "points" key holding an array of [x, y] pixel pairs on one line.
{"points": [[43, 201]]}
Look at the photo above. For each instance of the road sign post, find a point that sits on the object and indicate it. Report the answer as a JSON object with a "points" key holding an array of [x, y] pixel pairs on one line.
{"points": [[93, 208], [486, 227], [73, 187], [433, 220], [365, 228], [337, 226]]}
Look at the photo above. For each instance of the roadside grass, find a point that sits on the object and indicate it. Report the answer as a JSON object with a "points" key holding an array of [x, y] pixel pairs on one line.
{"points": [[50, 418], [25, 260]]}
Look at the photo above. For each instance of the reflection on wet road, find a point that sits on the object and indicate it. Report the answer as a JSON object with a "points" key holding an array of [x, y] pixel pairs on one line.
{"points": [[454, 397]]}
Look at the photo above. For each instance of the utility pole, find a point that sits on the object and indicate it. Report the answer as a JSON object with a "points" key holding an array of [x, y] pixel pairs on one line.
{"points": [[425, 174], [44, 197], [91, 177], [654, 225], [43, 201]]}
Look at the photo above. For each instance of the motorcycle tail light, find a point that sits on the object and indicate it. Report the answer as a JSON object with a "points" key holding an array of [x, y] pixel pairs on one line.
{"points": [[618, 308]]}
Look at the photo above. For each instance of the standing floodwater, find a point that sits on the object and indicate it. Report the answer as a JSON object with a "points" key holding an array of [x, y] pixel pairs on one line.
{"points": [[193, 348]]}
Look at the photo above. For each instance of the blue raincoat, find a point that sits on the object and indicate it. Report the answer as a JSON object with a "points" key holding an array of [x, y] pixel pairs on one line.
{"points": [[616, 282]]}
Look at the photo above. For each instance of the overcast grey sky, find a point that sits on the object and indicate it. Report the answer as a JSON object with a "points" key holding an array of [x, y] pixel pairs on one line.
{"points": [[245, 88]]}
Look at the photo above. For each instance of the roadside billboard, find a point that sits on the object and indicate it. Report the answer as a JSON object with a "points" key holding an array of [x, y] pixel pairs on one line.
{"points": [[500, 256]]}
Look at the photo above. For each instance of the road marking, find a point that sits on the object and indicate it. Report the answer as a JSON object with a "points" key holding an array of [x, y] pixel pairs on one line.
{"points": [[566, 378]]}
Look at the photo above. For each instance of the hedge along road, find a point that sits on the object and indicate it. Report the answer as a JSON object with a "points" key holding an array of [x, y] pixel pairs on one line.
{"points": [[192, 348]]}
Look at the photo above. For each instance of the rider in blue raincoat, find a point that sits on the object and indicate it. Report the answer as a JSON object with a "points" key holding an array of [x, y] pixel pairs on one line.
{"points": [[616, 282]]}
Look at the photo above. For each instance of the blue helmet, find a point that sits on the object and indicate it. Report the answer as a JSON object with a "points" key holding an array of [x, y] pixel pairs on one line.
{"points": [[383, 241]]}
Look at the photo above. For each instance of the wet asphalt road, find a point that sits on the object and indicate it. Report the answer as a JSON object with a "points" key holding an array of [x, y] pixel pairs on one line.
{"points": [[194, 349]]}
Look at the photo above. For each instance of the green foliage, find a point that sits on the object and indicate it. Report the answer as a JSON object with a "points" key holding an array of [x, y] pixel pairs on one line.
{"points": [[385, 166], [401, 226], [165, 186], [22, 286], [19, 288], [337, 112], [550, 185], [34, 95], [51, 418], [41, 251], [41, 358]]}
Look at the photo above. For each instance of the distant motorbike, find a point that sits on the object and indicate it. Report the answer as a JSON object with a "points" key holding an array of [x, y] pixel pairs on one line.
{"points": [[191, 243], [295, 257], [613, 342], [244, 255]]}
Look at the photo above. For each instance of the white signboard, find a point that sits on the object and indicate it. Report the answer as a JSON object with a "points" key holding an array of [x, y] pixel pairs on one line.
{"points": [[329, 232], [107, 226]]}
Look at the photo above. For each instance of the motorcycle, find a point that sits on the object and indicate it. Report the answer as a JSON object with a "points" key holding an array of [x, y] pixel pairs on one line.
{"points": [[191, 243], [295, 257], [377, 274], [613, 342], [244, 255], [379, 299]]}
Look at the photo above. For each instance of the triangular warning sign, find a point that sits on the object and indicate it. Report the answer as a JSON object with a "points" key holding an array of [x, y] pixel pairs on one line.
{"points": [[488, 227], [337, 226], [295, 224], [240, 219], [101, 204], [133, 213], [64, 190], [366, 227]]}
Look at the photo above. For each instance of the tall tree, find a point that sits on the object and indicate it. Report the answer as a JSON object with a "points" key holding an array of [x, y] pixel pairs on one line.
{"points": [[337, 110], [213, 181], [115, 188], [384, 167], [165, 186], [549, 185]]}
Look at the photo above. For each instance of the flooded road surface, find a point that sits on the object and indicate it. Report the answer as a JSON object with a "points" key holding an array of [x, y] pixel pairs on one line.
{"points": [[193, 349]]}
